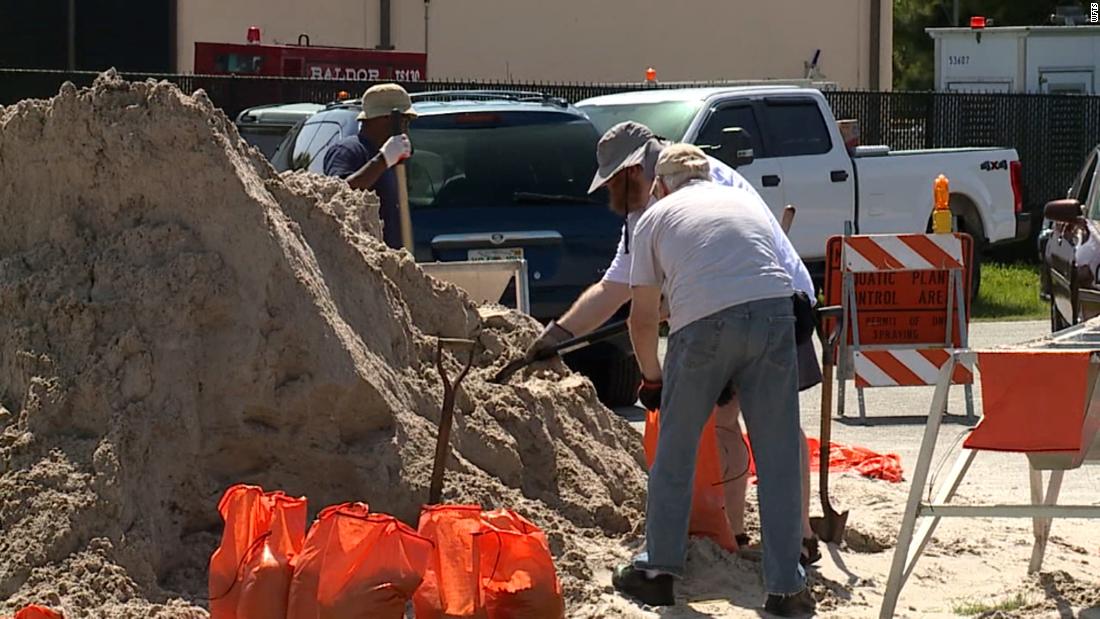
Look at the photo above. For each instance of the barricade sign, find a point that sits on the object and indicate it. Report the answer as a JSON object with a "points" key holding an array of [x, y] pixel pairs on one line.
{"points": [[901, 300], [906, 304]]}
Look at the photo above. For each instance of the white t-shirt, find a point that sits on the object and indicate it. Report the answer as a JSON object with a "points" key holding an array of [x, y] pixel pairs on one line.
{"points": [[708, 250], [722, 174]]}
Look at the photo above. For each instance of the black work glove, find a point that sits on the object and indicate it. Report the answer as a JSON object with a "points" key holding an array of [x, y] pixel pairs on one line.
{"points": [[726, 395], [649, 393], [550, 337]]}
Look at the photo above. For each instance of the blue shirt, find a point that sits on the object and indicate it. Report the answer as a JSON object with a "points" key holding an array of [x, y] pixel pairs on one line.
{"points": [[350, 154]]}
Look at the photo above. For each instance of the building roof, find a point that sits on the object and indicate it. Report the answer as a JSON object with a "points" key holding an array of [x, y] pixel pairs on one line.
{"points": [[1019, 31]]}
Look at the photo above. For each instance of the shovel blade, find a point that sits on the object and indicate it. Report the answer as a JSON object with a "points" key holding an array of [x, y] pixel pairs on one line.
{"points": [[830, 527]]}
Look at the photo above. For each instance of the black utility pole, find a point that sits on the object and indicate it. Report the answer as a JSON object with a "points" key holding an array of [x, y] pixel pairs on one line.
{"points": [[385, 25], [72, 35]]}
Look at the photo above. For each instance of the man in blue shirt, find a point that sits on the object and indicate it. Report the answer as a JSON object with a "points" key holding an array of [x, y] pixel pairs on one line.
{"points": [[364, 165]]}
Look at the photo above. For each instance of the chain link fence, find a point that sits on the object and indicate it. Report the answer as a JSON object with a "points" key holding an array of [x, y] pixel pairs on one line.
{"points": [[1052, 133]]}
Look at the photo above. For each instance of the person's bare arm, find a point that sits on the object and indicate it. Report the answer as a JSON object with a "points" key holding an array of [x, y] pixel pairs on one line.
{"points": [[368, 175], [645, 309], [595, 306], [393, 151]]}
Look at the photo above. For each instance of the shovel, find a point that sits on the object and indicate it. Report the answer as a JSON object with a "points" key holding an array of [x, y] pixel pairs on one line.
{"points": [[446, 417], [830, 527], [567, 346], [397, 127]]}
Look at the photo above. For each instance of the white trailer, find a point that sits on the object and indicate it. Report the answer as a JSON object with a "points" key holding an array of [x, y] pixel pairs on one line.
{"points": [[1036, 59]]}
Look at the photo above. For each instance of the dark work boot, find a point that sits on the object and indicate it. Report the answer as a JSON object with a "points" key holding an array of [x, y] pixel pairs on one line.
{"points": [[799, 604], [632, 582]]}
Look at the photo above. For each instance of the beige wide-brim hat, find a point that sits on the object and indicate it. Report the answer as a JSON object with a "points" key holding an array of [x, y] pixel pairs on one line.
{"points": [[678, 159], [383, 99]]}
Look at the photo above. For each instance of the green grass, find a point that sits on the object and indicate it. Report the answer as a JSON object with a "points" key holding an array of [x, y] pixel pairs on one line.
{"points": [[971, 607], [1009, 292]]}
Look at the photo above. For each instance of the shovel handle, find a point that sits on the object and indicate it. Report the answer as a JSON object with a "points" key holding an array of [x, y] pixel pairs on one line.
{"points": [[560, 349], [788, 218]]}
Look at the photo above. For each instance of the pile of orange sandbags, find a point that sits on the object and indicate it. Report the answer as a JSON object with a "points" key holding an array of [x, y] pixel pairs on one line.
{"points": [[462, 562]]}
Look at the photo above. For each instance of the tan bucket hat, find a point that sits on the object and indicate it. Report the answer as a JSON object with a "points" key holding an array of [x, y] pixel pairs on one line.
{"points": [[677, 159], [381, 100]]}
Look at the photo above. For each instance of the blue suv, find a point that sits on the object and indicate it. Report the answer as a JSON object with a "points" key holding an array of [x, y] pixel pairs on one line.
{"points": [[497, 174]]}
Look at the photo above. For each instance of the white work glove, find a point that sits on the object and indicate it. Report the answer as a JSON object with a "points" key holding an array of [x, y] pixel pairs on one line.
{"points": [[397, 149]]}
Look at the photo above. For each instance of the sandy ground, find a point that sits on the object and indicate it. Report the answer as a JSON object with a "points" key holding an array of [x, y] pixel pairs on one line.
{"points": [[175, 318], [972, 566]]}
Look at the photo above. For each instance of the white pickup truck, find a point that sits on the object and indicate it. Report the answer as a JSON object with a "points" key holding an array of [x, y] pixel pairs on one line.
{"points": [[800, 158]]}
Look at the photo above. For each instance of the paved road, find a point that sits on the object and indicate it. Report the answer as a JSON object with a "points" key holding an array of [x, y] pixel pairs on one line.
{"points": [[897, 416]]}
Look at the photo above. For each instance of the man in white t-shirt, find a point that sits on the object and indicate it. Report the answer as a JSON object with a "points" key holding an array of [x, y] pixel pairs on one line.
{"points": [[731, 320], [627, 155]]}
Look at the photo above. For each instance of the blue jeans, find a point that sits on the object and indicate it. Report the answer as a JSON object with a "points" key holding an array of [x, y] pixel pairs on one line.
{"points": [[752, 344]]}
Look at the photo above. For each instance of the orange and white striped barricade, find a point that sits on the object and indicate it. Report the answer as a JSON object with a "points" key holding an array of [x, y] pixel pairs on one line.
{"points": [[904, 306], [1042, 401]]}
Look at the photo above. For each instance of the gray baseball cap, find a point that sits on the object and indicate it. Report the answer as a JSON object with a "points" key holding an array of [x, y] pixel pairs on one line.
{"points": [[622, 146]]}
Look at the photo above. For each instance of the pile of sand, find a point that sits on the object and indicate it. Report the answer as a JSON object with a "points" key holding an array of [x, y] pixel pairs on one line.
{"points": [[175, 318]]}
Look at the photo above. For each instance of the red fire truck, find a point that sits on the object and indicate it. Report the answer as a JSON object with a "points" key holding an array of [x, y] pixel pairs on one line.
{"points": [[305, 60]]}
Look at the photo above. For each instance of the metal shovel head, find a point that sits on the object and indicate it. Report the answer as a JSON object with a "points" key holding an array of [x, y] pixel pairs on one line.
{"points": [[830, 527]]}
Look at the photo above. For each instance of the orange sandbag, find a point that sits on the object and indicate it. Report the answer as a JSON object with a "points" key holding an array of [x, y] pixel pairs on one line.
{"points": [[34, 611], [517, 574], [450, 587], [842, 457], [708, 503], [266, 586], [250, 571], [357, 565]]}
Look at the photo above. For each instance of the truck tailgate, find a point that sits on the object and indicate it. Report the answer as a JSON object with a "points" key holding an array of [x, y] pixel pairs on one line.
{"points": [[895, 190]]}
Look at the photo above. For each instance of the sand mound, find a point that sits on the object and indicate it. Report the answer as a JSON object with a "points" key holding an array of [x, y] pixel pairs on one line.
{"points": [[175, 317]]}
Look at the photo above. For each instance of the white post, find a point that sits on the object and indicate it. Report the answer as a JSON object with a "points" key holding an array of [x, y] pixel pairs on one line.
{"points": [[920, 477], [1042, 525], [523, 293]]}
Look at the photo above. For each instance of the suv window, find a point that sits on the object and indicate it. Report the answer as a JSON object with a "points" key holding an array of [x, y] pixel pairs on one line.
{"points": [[299, 155], [731, 116], [796, 128], [327, 135], [264, 137], [310, 142], [1094, 206], [486, 159], [1084, 182]]}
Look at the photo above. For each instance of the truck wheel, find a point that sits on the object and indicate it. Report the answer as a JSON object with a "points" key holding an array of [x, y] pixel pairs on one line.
{"points": [[967, 220], [618, 382], [1056, 321], [975, 272]]}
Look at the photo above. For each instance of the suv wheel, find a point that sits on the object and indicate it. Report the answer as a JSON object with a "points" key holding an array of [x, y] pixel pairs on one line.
{"points": [[617, 382]]}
